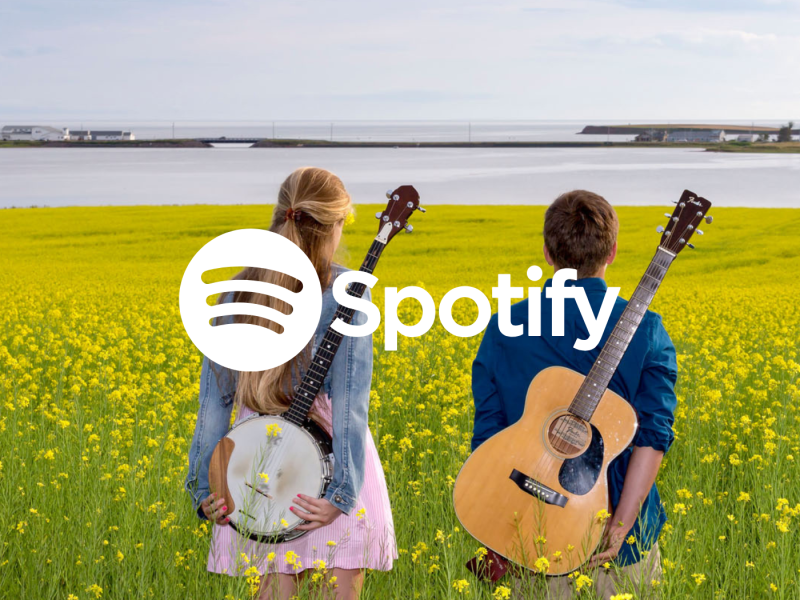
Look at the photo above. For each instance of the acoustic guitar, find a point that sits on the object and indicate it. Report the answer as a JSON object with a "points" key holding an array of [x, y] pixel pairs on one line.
{"points": [[537, 488], [262, 463]]}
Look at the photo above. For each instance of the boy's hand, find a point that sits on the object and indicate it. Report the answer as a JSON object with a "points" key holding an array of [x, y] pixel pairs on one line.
{"points": [[612, 542]]}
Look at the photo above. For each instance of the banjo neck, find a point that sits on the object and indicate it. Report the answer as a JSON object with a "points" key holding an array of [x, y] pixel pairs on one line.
{"points": [[323, 357]]}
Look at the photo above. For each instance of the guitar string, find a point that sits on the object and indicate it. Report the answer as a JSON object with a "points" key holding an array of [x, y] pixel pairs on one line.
{"points": [[579, 400], [558, 432], [566, 420]]}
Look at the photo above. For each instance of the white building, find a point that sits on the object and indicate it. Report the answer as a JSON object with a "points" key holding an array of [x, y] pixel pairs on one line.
{"points": [[33, 133], [745, 137], [79, 135], [106, 136], [714, 135]]}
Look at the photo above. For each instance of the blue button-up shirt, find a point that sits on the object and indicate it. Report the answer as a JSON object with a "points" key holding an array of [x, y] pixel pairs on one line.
{"points": [[505, 366]]}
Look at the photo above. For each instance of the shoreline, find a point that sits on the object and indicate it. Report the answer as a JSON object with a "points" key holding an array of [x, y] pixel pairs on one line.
{"points": [[748, 147]]}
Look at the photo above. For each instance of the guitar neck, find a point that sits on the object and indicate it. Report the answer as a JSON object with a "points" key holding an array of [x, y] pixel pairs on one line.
{"points": [[594, 386], [323, 357]]}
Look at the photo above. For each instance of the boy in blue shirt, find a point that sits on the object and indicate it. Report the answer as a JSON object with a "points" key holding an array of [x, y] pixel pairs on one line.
{"points": [[580, 232]]}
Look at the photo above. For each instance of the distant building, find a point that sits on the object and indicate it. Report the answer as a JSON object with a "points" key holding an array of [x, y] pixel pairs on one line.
{"points": [[33, 133], [79, 135], [651, 135], [106, 136], [713, 136], [747, 137]]}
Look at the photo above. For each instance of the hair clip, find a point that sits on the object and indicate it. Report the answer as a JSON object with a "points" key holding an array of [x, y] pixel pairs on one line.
{"points": [[294, 215]]}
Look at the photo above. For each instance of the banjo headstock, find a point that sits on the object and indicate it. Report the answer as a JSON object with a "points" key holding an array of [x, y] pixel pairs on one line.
{"points": [[402, 203]]}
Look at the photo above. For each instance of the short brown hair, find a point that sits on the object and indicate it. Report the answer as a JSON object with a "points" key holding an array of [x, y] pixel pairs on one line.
{"points": [[580, 229]]}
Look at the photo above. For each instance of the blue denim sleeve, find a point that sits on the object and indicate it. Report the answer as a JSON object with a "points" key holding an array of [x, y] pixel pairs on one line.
{"points": [[351, 381], [217, 389], [655, 401], [489, 415]]}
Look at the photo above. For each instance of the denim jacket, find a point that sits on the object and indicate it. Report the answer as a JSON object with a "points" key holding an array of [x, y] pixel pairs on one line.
{"points": [[348, 385]]}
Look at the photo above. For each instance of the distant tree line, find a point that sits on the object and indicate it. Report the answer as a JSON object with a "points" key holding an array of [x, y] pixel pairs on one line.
{"points": [[785, 132]]}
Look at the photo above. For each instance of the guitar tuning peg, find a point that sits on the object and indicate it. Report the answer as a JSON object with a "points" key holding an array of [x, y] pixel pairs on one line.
{"points": [[708, 218], [409, 228], [660, 229], [389, 194], [699, 232], [378, 214], [690, 245], [420, 209], [669, 216]]}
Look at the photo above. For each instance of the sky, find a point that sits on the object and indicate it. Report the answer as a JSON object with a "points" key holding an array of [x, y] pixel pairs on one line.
{"points": [[411, 60]]}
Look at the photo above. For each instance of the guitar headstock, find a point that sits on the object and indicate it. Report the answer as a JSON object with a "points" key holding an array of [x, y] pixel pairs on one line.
{"points": [[691, 211], [402, 203]]}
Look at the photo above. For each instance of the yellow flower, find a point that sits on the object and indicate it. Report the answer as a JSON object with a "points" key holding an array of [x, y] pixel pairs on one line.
{"points": [[542, 565], [461, 585], [583, 581], [273, 430], [622, 597], [264, 477], [361, 513], [501, 592], [699, 578]]}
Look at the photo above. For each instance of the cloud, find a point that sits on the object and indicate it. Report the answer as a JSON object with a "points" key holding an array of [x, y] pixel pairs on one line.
{"points": [[25, 52], [721, 6]]}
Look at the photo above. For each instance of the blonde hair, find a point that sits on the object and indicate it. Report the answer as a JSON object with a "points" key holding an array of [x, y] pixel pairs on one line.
{"points": [[311, 203]]}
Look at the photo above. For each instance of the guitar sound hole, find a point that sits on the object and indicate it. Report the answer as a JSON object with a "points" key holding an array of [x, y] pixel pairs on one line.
{"points": [[568, 435]]}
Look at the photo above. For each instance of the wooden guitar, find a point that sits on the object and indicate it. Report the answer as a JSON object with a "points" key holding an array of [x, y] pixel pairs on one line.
{"points": [[536, 488], [264, 461]]}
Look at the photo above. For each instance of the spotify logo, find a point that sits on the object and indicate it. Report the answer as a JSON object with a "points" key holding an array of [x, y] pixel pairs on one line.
{"points": [[243, 346]]}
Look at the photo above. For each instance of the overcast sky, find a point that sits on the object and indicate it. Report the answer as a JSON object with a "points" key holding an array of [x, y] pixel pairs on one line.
{"points": [[415, 59]]}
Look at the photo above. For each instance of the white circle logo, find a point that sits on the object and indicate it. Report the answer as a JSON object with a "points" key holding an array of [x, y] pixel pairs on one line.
{"points": [[242, 346]]}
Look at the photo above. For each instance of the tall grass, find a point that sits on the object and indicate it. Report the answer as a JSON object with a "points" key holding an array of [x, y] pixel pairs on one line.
{"points": [[99, 396]]}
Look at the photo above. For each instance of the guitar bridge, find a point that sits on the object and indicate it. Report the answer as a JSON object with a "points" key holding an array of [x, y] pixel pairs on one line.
{"points": [[538, 490]]}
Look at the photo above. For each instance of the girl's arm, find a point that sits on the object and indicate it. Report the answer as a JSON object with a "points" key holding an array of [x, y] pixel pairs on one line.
{"points": [[217, 389], [351, 380]]}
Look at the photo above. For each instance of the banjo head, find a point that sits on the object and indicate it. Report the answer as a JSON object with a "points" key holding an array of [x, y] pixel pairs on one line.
{"points": [[269, 461]]}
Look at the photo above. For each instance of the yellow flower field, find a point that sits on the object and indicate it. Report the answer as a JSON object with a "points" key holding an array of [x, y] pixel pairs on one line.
{"points": [[99, 389]]}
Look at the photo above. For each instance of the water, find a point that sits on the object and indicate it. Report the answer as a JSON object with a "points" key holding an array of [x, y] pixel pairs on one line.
{"points": [[634, 176], [375, 131]]}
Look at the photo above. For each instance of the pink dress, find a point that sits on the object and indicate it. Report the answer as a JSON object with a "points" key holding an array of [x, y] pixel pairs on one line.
{"points": [[364, 539]]}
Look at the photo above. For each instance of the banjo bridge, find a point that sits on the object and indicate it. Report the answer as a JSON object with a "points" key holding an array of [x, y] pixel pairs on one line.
{"points": [[538, 490], [258, 491]]}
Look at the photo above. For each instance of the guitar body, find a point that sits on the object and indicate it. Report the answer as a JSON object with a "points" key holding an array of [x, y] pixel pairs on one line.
{"points": [[535, 488]]}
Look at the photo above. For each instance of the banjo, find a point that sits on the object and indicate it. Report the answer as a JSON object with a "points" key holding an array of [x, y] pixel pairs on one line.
{"points": [[262, 463]]}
